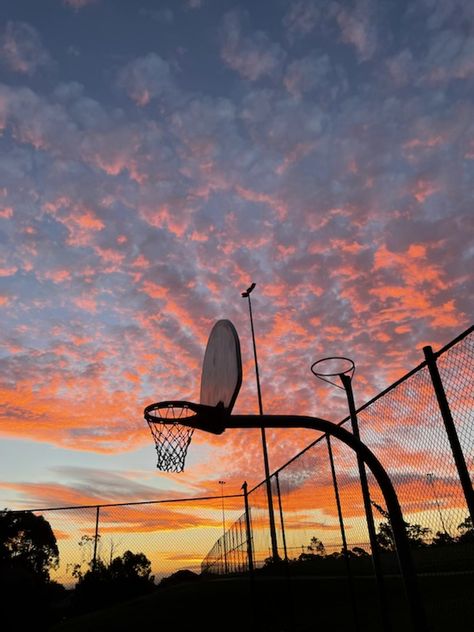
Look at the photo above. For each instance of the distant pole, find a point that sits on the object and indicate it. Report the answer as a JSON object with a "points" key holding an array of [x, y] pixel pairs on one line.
{"points": [[96, 538], [429, 476], [271, 514], [282, 522], [222, 483], [248, 527]]}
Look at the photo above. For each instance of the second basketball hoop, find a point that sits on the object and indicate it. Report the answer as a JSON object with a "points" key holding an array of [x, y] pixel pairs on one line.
{"points": [[333, 367]]}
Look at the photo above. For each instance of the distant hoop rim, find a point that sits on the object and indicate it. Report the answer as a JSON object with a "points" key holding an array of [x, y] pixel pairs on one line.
{"points": [[326, 377], [321, 374]]}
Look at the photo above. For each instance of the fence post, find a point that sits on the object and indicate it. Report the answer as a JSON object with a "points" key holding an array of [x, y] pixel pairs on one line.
{"points": [[453, 438], [283, 536], [379, 578], [248, 528], [96, 537], [350, 577]]}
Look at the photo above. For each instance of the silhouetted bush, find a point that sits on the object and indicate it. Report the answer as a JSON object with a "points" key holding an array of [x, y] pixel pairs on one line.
{"points": [[125, 577], [178, 578]]}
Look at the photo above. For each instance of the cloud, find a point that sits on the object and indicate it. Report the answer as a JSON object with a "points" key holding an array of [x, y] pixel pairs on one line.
{"points": [[194, 4], [358, 28], [305, 75], [301, 18], [22, 49], [78, 4], [451, 57], [440, 13], [252, 56], [146, 78]]}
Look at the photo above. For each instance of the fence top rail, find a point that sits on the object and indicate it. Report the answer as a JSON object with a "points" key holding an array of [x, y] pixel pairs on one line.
{"points": [[389, 388], [136, 502], [455, 341]]}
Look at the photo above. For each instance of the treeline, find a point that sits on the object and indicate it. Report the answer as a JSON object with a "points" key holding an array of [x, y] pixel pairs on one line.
{"points": [[29, 553], [419, 537]]}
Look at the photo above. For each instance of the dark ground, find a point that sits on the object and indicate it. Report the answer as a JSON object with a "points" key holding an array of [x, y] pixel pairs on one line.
{"points": [[277, 605]]}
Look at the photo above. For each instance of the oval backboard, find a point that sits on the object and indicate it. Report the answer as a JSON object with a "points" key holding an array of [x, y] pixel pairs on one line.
{"points": [[222, 367]]}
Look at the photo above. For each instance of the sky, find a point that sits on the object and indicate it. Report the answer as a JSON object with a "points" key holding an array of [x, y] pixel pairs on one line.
{"points": [[158, 157]]}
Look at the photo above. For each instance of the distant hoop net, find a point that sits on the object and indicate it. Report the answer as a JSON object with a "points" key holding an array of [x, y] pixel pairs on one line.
{"points": [[172, 438], [333, 367]]}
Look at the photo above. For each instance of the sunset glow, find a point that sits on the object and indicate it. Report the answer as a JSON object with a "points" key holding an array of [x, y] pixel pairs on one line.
{"points": [[157, 158]]}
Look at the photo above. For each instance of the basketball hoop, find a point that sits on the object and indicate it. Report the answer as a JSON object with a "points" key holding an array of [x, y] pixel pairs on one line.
{"points": [[172, 438], [172, 422], [334, 366]]}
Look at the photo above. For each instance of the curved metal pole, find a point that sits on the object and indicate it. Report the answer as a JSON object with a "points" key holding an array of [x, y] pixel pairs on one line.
{"points": [[405, 559]]}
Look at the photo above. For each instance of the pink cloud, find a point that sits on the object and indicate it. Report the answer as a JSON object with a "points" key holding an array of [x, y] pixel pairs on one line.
{"points": [[358, 29], [78, 4], [86, 302], [22, 49], [58, 276], [7, 270], [301, 18], [307, 74], [252, 56], [89, 221], [146, 78], [424, 189], [274, 203]]}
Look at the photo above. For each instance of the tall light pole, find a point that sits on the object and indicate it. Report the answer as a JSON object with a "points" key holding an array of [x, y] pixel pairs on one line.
{"points": [[222, 483], [271, 514], [429, 476]]}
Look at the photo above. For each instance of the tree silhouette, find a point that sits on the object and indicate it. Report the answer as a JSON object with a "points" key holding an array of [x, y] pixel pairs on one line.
{"points": [[28, 542], [442, 538], [466, 531], [126, 576], [28, 552], [416, 533], [315, 549], [131, 566]]}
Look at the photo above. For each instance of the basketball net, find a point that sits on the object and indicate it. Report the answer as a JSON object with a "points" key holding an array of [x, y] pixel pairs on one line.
{"points": [[171, 437]]}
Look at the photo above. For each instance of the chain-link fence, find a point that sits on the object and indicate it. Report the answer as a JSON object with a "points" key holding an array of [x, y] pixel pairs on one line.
{"points": [[230, 553], [404, 427], [173, 534]]}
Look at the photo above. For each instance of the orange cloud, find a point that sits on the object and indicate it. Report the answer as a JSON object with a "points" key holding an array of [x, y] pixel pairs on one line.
{"points": [[275, 204], [6, 212]]}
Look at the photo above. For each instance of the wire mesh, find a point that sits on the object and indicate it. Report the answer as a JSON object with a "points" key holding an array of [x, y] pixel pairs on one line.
{"points": [[262, 546], [405, 430], [456, 368], [308, 503], [230, 553], [172, 534]]}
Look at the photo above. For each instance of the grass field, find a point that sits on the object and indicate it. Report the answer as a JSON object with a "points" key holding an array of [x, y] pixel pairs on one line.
{"points": [[276, 604]]}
